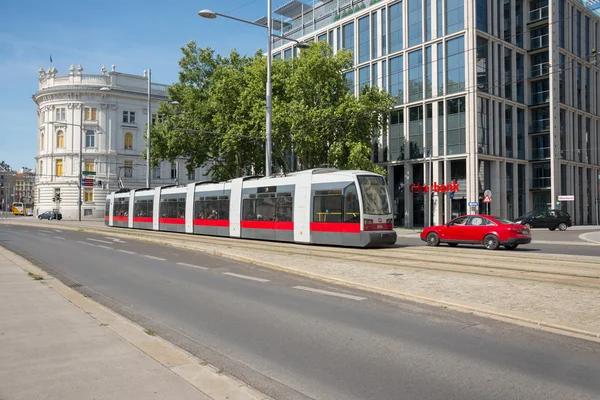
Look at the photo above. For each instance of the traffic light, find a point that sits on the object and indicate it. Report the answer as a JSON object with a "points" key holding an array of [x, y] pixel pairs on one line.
{"points": [[99, 183]]}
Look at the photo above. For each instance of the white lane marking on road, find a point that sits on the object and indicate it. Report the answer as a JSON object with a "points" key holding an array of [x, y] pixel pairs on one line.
{"points": [[104, 247], [89, 244], [191, 265], [346, 296], [127, 251], [41, 234], [58, 237], [115, 239], [154, 258], [46, 231], [98, 240], [58, 230], [251, 278]]}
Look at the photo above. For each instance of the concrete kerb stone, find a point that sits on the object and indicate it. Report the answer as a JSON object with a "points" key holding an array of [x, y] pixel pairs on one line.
{"points": [[592, 237], [496, 314], [206, 378]]}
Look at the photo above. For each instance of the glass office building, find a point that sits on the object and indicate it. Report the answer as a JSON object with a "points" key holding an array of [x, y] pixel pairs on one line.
{"points": [[498, 95]]}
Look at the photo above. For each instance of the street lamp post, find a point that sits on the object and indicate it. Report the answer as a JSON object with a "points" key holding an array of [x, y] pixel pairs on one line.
{"points": [[268, 143]]}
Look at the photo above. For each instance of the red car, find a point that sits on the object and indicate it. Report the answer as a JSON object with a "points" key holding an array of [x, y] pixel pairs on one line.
{"points": [[492, 232]]}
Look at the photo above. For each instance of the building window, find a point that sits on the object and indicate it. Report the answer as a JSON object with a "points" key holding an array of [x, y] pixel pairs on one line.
{"points": [[61, 114], [59, 167], [287, 54], [128, 141], [90, 114], [374, 35], [482, 15], [440, 68], [156, 172], [60, 139], [41, 172], [364, 78], [191, 175], [173, 170], [415, 21], [441, 128], [521, 134], [89, 165], [508, 138], [455, 67], [482, 64], [415, 75], [440, 15], [129, 117], [363, 39], [561, 23], [349, 76], [455, 12], [383, 32], [128, 169], [456, 126], [397, 79], [42, 139], [90, 137], [396, 27], [520, 79], [348, 39], [508, 73], [157, 117], [428, 73], [415, 132], [428, 20], [88, 195], [397, 135]]}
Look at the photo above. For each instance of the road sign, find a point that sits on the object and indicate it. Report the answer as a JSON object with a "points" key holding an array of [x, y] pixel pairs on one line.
{"points": [[487, 199], [87, 182], [566, 198], [488, 193], [473, 204], [88, 173]]}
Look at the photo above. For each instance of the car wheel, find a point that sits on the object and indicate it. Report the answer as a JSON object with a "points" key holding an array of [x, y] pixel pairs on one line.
{"points": [[562, 226], [39, 217], [552, 229], [433, 239], [527, 226], [491, 242], [452, 244], [511, 246]]}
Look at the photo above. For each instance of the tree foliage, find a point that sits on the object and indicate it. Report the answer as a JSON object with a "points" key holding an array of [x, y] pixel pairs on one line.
{"points": [[219, 117]]}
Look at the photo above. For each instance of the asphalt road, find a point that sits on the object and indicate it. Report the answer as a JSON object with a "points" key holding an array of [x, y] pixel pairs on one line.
{"points": [[278, 333]]}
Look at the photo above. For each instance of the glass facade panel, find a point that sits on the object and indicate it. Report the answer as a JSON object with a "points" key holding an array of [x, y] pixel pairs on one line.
{"points": [[349, 76], [364, 78], [482, 15], [428, 129], [455, 67], [348, 37], [415, 75], [507, 22], [519, 23], [363, 40], [383, 32], [415, 28], [440, 69], [482, 64], [415, 132], [520, 133], [561, 89], [440, 18], [427, 20], [456, 126], [483, 106], [397, 135], [455, 16], [510, 206], [508, 135], [441, 128], [520, 79], [374, 35], [428, 73], [396, 27], [521, 189], [508, 74], [397, 79], [561, 23]]}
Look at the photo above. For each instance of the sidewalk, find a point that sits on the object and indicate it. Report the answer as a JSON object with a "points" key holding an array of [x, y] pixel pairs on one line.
{"points": [[57, 344]]}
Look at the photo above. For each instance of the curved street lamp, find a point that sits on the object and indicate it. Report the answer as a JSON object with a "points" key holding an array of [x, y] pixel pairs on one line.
{"points": [[302, 45]]}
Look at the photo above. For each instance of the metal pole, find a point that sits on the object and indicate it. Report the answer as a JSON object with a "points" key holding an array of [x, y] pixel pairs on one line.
{"points": [[148, 128], [80, 162], [430, 217], [269, 89]]}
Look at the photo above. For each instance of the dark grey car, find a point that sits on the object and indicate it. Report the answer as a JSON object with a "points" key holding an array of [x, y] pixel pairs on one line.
{"points": [[551, 219], [50, 215]]}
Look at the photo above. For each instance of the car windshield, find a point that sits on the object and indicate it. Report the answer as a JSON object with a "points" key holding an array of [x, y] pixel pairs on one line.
{"points": [[529, 214], [374, 195]]}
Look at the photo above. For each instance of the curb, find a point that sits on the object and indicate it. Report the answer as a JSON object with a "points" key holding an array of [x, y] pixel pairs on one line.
{"points": [[496, 314], [204, 377], [584, 236]]}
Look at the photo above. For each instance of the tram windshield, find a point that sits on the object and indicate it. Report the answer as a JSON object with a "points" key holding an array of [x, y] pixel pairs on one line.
{"points": [[374, 195]]}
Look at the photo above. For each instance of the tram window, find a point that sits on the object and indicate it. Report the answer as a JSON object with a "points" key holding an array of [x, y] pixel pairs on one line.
{"points": [[351, 205], [328, 208], [107, 209], [172, 208], [284, 205], [214, 207], [143, 208], [121, 208]]}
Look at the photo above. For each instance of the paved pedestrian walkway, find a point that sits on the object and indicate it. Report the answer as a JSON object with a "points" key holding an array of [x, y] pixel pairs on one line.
{"points": [[57, 344]]}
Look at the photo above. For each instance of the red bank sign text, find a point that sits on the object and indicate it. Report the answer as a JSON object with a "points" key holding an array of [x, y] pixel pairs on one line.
{"points": [[418, 188]]}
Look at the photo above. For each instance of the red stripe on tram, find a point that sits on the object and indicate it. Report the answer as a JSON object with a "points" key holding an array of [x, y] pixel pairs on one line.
{"points": [[173, 221], [340, 227], [212, 222], [142, 219], [273, 225], [120, 219], [106, 218]]}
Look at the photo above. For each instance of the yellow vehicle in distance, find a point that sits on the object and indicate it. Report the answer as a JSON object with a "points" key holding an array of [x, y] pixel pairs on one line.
{"points": [[18, 209]]}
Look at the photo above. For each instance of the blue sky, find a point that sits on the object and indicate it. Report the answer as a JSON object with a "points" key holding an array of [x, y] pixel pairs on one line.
{"points": [[131, 34]]}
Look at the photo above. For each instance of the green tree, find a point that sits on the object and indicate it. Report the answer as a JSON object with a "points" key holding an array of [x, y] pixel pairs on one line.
{"points": [[220, 115]]}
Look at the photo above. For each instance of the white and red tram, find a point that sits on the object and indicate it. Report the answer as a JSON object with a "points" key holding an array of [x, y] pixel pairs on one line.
{"points": [[319, 206]]}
